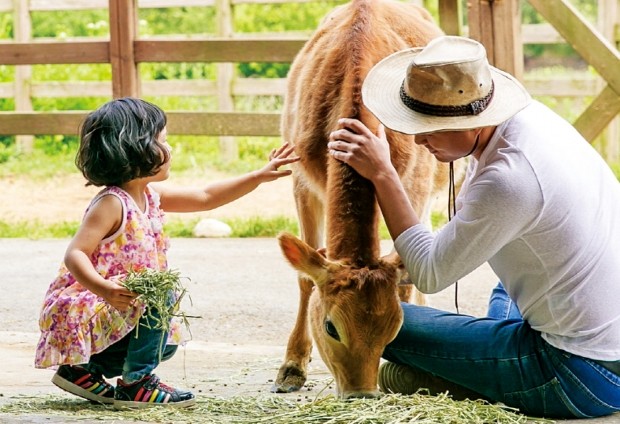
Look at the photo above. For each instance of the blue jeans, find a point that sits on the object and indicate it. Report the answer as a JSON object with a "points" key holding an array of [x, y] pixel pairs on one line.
{"points": [[505, 360], [135, 355]]}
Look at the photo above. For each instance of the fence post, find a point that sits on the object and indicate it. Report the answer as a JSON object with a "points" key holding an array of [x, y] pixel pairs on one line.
{"points": [[608, 18], [23, 73], [450, 16], [225, 74], [497, 25], [123, 32]]}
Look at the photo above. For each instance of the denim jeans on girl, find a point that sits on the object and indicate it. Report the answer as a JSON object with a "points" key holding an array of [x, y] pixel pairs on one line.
{"points": [[135, 355], [505, 360]]}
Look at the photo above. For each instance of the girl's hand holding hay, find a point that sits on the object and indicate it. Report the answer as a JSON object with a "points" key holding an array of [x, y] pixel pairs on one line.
{"points": [[161, 293], [117, 295]]}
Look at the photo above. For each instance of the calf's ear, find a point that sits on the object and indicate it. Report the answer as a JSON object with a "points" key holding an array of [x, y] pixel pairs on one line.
{"points": [[394, 258], [305, 259]]}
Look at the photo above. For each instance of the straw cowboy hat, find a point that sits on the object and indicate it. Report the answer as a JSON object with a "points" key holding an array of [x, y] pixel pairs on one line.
{"points": [[446, 85]]}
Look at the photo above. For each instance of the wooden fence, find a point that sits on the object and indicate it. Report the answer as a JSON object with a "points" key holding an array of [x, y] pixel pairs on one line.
{"points": [[124, 50]]}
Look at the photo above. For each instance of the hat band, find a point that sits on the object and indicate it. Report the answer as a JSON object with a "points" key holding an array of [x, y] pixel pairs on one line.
{"points": [[473, 108]]}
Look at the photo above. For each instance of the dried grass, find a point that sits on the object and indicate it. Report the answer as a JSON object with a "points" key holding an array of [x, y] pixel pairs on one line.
{"points": [[274, 409]]}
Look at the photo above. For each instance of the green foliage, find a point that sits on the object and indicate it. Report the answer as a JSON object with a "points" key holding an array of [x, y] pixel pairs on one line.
{"points": [[39, 164], [255, 18], [438, 219], [7, 74], [57, 145], [82, 72], [615, 167], [70, 23], [194, 153], [271, 18], [6, 151], [177, 20], [258, 103], [6, 25], [182, 71], [264, 70], [176, 227]]}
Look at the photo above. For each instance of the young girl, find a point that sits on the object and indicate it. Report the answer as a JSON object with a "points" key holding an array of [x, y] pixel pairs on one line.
{"points": [[89, 322]]}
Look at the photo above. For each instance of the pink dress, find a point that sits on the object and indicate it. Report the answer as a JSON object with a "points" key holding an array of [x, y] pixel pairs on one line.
{"points": [[76, 323]]}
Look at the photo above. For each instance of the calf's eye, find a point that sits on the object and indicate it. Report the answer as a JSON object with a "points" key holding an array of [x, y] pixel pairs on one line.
{"points": [[331, 330]]}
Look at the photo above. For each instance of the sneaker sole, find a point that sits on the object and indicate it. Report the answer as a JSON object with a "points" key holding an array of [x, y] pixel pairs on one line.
{"points": [[74, 389], [395, 378], [126, 404]]}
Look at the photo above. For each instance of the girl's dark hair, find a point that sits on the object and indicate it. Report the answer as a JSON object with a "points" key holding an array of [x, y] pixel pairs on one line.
{"points": [[118, 142]]}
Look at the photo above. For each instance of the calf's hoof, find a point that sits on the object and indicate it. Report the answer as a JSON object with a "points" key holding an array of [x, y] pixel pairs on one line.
{"points": [[290, 378]]}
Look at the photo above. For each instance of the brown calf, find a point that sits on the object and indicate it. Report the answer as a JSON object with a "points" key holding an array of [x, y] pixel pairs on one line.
{"points": [[354, 311]]}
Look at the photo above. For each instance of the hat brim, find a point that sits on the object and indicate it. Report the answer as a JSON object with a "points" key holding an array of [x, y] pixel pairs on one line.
{"points": [[381, 95]]}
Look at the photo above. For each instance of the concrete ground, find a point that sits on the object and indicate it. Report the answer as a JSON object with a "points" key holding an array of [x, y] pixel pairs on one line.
{"points": [[243, 291]]}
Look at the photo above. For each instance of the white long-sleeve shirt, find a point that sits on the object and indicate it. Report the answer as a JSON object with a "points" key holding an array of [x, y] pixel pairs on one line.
{"points": [[543, 208]]}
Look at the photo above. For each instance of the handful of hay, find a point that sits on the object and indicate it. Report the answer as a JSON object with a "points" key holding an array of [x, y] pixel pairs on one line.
{"points": [[161, 292]]}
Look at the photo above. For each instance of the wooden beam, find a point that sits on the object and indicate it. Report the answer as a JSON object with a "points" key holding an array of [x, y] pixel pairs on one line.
{"points": [[583, 37], [40, 123], [185, 123], [497, 25], [123, 24], [507, 37], [214, 50], [54, 53], [480, 17], [450, 16], [599, 114], [224, 123]]}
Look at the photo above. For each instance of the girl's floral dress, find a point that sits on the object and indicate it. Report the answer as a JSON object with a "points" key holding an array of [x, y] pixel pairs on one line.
{"points": [[75, 323]]}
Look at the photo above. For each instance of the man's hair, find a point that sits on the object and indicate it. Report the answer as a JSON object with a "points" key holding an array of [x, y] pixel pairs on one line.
{"points": [[119, 142]]}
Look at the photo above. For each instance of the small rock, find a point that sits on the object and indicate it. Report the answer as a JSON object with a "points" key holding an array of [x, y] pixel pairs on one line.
{"points": [[211, 228]]}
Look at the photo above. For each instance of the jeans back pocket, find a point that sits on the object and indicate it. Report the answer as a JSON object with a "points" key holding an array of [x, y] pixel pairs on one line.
{"points": [[548, 400]]}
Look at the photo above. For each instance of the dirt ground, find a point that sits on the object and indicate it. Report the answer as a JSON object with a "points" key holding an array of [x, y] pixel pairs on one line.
{"points": [[65, 198]]}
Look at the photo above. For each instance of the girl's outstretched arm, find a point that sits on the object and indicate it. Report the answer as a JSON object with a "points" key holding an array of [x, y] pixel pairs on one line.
{"points": [[225, 191], [101, 221]]}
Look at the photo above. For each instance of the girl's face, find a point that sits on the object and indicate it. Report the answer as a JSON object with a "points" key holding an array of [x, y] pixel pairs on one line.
{"points": [[164, 170], [448, 146]]}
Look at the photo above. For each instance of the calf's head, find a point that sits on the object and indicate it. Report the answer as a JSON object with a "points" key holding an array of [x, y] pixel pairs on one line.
{"points": [[354, 313]]}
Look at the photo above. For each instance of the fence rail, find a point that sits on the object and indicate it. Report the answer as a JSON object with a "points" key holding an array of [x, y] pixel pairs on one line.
{"points": [[124, 50]]}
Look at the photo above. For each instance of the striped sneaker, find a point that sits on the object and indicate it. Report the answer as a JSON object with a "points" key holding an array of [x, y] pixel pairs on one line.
{"points": [[150, 392], [78, 381]]}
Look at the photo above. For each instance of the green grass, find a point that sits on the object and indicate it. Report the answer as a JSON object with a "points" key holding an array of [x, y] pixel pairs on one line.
{"points": [[176, 227], [241, 227], [37, 230]]}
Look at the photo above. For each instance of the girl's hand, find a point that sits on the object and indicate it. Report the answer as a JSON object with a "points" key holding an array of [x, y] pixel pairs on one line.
{"points": [[118, 296], [277, 158], [354, 144]]}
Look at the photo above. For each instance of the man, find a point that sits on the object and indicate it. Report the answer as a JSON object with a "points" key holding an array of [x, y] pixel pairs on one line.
{"points": [[538, 204]]}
